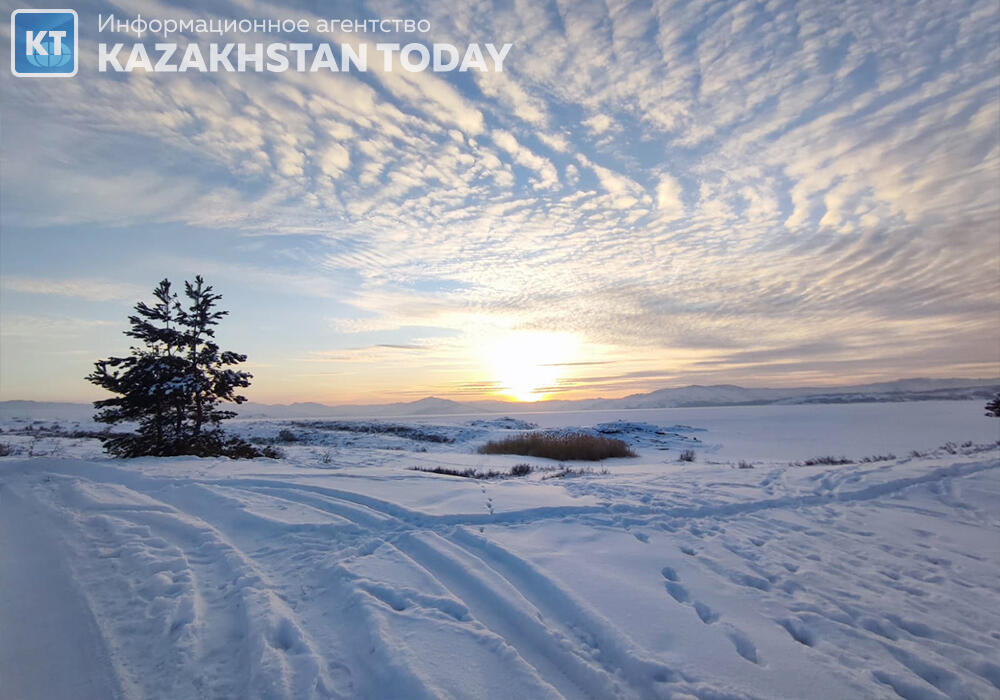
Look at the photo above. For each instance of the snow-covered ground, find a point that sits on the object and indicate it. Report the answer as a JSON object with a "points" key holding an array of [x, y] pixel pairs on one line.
{"points": [[339, 571]]}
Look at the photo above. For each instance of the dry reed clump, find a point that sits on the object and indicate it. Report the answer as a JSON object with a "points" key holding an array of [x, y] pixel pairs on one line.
{"points": [[559, 446]]}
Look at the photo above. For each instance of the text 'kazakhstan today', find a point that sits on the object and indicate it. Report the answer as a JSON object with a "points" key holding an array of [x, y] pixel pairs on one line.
{"points": [[278, 57]]}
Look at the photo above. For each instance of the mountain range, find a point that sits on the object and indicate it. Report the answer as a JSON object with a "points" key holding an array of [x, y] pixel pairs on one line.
{"points": [[674, 397]]}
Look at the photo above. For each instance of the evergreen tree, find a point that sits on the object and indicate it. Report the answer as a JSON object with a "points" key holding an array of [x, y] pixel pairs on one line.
{"points": [[993, 407], [173, 382]]}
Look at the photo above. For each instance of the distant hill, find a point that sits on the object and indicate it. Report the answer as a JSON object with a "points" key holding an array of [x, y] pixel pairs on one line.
{"points": [[430, 406], [46, 410], [900, 390], [731, 395], [679, 397]]}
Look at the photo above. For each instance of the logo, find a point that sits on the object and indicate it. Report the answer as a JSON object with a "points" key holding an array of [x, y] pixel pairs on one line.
{"points": [[44, 43]]}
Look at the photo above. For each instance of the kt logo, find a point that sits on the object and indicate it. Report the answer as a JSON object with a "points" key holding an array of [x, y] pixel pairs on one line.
{"points": [[43, 43]]}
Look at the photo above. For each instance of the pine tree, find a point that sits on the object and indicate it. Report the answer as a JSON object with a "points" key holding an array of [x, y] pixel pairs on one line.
{"points": [[993, 407], [173, 382]]}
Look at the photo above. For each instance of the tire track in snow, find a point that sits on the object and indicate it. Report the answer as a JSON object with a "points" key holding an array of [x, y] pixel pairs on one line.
{"points": [[355, 588], [563, 647], [498, 605], [42, 608], [303, 557], [599, 637], [620, 513], [489, 601], [401, 520], [228, 629], [261, 608], [578, 644]]}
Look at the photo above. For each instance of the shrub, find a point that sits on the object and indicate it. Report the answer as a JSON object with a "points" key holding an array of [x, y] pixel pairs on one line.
{"points": [[208, 444], [559, 446], [567, 471], [516, 470], [828, 460], [76, 434], [744, 464], [420, 434], [878, 458], [687, 456], [6, 450], [270, 453], [993, 407], [286, 436]]}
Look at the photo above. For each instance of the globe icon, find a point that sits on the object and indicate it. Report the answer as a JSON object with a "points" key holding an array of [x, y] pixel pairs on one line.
{"points": [[51, 60]]}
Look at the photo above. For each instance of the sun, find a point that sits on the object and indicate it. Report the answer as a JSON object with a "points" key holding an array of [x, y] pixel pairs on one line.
{"points": [[527, 365]]}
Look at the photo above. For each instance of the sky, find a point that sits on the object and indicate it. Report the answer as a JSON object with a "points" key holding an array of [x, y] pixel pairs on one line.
{"points": [[650, 194]]}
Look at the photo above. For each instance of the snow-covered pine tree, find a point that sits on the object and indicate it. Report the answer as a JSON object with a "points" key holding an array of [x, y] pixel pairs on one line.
{"points": [[172, 384], [993, 407]]}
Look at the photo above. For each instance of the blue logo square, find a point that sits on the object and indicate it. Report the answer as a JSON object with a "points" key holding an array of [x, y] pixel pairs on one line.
{"points": [[44, 43]]}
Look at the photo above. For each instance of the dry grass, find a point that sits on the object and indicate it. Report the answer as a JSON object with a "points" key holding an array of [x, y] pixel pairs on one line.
{"points": [[567, 472], [560, 446], [516, 470], [560, 472], [828, 460]]}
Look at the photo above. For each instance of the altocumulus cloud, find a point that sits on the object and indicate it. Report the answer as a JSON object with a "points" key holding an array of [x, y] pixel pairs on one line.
{"points": [[690, 184]]}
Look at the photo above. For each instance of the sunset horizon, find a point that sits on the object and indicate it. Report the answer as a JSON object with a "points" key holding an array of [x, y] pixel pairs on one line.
{"points": [[622, 201]]}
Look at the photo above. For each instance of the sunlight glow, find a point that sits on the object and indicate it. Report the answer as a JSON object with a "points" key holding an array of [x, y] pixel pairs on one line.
{"points": [[526, 364]]}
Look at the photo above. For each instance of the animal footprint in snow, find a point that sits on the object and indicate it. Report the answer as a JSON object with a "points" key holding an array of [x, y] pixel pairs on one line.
{"points": [[744, 647], [680, 594], [670, 574], [799, 630], [707, 615], [677, 592]]}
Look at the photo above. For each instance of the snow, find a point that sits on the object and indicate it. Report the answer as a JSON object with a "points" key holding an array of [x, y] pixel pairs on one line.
{"points": [[45, 621], [340, 572]]}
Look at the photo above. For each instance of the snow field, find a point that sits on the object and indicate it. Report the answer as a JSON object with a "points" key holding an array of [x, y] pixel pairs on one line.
{"points": [[359, 577]]}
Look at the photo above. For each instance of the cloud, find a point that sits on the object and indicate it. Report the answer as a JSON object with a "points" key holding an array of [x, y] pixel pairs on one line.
{"points": [[727, 186], [41, 330], [668, 197], [513, 97], [599, 123], [335, 160], [546, 172], [88, 289]]}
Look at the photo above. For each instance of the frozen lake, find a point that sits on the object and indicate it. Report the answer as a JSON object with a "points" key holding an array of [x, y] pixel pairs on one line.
{"points": [[794, 431]]}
